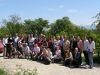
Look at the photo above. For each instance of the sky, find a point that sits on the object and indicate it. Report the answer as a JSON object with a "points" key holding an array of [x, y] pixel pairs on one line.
{"points": [[80, 12]]}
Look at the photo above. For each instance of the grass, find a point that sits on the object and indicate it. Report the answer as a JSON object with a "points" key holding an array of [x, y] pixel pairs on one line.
{"points": [[2, 72]]}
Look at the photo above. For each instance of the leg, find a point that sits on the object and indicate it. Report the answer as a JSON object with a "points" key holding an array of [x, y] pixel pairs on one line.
{"points": [[86, 57], [91, 59]]}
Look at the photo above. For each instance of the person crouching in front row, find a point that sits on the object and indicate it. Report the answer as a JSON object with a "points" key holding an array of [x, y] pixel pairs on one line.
{"points": [[68, 58], [26, 50], [76, 60], [57, 57], [35, 52], [45, 56]]}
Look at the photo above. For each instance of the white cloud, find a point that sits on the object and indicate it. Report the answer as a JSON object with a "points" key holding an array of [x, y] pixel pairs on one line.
{"points": [[61, 6], [72, 11]]}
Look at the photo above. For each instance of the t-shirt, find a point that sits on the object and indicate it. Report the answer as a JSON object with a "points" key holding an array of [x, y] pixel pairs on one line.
{"points": [[91, 46], [5, 41], [16, 39], [66, 45], [57, 54], [36, 49], [80, 44], [26, 49], [31, 39], [85, 45]]}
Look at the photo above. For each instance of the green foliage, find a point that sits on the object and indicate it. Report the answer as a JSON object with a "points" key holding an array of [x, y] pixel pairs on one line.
{"points": [[3, 32], [29, 26], [60, 25], [96, 59], [35, 26], [13, 28], [13, 25], [2, 72]]}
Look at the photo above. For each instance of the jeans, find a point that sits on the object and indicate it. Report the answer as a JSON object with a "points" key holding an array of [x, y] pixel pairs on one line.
{"points": [[86, 57], [90, 55]]}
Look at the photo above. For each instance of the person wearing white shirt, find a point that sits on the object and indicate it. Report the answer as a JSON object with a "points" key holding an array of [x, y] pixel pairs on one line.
{"points": [[16, 38], [31, 40], [26, 50], [35, 51], [91, 48], [85, 50], [57, 57], [5, 41]]}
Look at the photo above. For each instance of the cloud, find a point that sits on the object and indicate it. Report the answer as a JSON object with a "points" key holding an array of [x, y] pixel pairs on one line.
{"points": [[61, 6], [72, 11], [51, 9]]}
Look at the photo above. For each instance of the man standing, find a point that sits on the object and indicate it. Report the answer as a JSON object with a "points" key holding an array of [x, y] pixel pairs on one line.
{"points": [[5, 41], [16, 37], [85, 50]]}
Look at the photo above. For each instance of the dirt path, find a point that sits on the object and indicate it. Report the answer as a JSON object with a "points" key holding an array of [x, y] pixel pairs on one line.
{"points": [[52, 69]]}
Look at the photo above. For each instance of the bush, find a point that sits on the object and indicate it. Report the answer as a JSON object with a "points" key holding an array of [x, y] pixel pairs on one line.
{"points": [[96, 59]]}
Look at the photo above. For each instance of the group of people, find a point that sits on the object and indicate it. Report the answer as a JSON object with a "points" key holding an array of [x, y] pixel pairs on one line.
{"points": [[53, 49]]}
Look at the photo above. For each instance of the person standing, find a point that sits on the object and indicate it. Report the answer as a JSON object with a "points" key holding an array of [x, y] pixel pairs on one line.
{"points": [[15, 42], [80, 47], [91, 48], [73, 45], [66, 47], [5, 41], [85, 50], [31, 40]]}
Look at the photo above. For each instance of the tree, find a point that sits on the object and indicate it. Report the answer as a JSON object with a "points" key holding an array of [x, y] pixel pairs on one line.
{"points": [[30, 26], [13, 28], [3, 31], [13, 25], [14, 19], [62, 25], [40, 25], [35, 26]]}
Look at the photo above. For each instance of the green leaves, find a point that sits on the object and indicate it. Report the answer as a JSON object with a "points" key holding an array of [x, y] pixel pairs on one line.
{"points": [[35, 26]]}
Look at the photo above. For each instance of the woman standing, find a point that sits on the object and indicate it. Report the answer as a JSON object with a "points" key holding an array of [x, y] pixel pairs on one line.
{"points": [[91, 48], [66, 47]]}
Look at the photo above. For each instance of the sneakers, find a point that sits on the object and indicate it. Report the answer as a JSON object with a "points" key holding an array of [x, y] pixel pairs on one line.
{"points": [[86, 66]]}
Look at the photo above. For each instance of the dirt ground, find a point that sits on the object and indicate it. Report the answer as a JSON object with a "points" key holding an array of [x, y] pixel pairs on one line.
{"points": [[11, 66]]}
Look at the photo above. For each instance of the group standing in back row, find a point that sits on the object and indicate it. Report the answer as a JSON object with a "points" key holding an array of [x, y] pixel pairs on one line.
{"points": [[52, 49]]}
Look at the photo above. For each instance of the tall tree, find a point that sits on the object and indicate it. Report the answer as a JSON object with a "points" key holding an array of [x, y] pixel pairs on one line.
{"points": [[62, 25], [41, 24], [13, 24], [35, 26]]}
